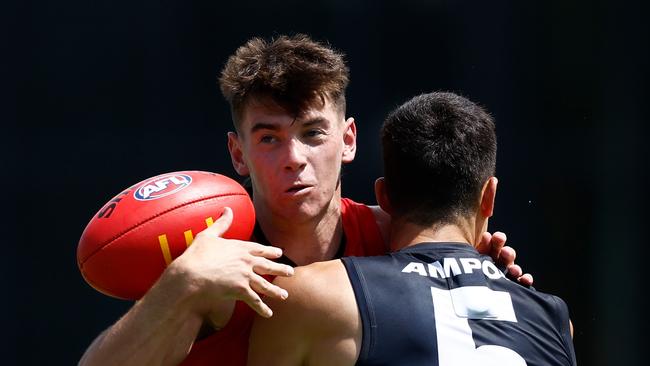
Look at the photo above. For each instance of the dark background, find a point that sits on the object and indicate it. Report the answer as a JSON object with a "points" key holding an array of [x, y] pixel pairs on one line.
{"points": [[111, 92]]}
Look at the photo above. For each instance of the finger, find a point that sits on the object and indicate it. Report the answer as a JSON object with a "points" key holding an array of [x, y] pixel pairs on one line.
{"points": [[526, 279], [252, 299], [483, 246], [264, 266], [514, 271], [265, 251], [221, 225], [264, 287], [497, 242], [507, 256]]}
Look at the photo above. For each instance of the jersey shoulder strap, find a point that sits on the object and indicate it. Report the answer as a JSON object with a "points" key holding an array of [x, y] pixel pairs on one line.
{"points": [[362, 234]]}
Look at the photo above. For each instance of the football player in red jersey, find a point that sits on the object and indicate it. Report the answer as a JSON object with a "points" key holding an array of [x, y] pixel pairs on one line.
{"points": [[287, 98]]}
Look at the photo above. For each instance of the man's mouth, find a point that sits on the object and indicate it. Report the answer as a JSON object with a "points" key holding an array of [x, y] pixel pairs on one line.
{"points": [[297, 188]]}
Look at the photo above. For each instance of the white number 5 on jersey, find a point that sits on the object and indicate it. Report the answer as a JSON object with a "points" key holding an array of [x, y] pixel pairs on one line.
{"points": [[452, 310]]}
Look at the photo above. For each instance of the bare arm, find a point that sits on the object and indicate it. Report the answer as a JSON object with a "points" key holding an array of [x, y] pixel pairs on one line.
{"points": [[317, 325], [158, 330], [200, 285]]}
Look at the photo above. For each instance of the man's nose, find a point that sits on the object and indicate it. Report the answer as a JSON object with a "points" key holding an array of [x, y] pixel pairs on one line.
{"points": [[296, 157]]}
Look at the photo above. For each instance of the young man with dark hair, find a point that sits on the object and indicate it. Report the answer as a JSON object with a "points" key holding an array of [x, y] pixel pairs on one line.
{"points": [[434, 300], [287, 98]]}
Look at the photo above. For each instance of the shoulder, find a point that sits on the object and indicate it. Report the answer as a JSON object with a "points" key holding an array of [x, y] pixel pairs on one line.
{"points": [[553, 307], [380, 216], [319, 320], [562, 310], [316, 289]]}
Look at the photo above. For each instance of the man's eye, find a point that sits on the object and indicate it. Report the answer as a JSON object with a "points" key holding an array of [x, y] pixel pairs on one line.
{"points": [[314, 133], [267, 139]]}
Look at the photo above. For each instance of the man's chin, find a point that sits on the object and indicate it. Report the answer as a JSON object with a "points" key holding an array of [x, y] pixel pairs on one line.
{"points": [[302, 212]]}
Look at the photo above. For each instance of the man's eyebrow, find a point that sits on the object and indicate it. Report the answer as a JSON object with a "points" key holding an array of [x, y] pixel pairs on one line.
{"points": [[264, 126], [314, 121], [275, 127]]}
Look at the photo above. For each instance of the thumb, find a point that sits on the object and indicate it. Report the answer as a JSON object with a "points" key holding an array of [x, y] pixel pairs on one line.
{"points": [[221, 225]]}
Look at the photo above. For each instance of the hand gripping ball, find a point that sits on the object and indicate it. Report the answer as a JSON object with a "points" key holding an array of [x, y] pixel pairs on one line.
{"points": [[137, 234]]}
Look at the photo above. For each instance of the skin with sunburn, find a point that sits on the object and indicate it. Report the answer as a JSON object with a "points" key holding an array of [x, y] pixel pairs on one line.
{"points": [[289, 160]]}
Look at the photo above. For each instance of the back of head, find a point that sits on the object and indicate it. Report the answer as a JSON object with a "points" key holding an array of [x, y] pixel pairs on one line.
{"points": [[439, 149], [294, 72]]}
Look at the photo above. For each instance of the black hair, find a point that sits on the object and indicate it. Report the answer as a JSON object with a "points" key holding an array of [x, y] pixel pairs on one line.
{"points": [[439, 149]]}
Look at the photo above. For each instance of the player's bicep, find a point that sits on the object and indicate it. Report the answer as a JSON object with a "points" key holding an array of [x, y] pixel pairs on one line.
{"points": [[280, 339]]}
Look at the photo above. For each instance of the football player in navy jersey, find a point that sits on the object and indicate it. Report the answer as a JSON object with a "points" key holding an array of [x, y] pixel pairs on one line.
{"points": [[434, 300]]}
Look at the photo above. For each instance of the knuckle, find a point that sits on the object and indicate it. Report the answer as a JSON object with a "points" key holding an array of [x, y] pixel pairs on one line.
{"points": [[266, 267], [248, 276], [264, 285], [240, 290], [246, 260], [240, 260]]}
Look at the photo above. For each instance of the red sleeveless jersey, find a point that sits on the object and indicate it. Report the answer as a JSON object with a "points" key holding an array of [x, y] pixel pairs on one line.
{"points": [[229, 346]]}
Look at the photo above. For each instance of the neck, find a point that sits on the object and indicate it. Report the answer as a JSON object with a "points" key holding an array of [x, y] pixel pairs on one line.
{"points": [[312, 240], [404, 234]]}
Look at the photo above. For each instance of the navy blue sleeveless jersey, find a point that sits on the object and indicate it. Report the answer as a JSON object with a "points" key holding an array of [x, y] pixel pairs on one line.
{"points": [[444, 304]]}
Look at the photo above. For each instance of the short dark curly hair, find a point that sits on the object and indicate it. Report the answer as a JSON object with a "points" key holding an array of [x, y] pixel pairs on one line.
{"points": [[295, 72], [439, 149]]}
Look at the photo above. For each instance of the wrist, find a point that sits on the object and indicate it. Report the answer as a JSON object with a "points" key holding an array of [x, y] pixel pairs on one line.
{"points": [[195, 296], [176, 291]]}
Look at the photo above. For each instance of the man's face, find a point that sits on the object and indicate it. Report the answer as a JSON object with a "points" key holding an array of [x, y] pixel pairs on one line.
{"points": [[294, 163]]}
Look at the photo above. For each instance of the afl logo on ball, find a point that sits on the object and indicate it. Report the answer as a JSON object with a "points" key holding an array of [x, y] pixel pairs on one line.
{"points": [[162, 186]]}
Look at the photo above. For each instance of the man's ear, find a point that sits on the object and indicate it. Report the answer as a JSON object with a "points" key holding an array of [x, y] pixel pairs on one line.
{"points": [[237, 154], [349, 141], [381, 195], [488, 196]]}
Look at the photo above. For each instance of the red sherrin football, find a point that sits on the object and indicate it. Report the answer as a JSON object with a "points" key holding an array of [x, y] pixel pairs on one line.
{"points": [[129, 242]]}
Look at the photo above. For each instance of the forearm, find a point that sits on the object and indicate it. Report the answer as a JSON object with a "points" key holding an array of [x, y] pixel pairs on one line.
{"points": [[158, 330], [203, 283]]}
